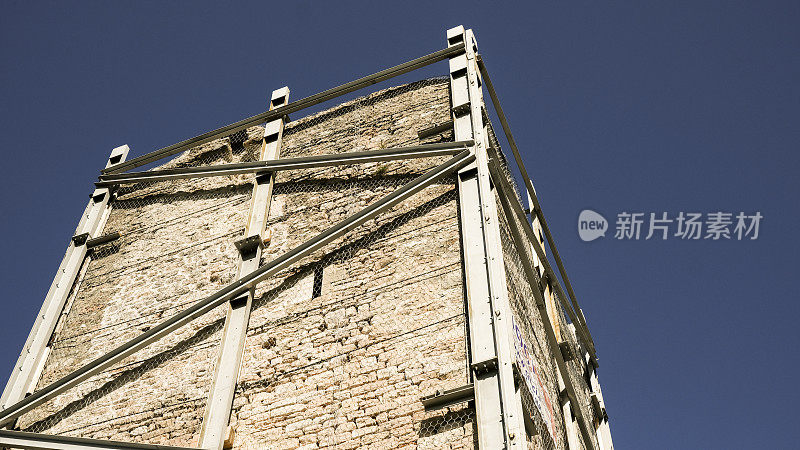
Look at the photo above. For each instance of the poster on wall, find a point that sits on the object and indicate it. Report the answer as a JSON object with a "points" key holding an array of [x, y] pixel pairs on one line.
{"points": [[530, 373]]}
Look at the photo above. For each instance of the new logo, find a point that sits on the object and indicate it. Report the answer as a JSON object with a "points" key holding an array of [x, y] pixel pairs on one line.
{"points": [[591, 225]]}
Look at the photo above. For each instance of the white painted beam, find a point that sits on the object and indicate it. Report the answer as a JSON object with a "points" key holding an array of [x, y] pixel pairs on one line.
{"points": [[31, 361], [37, 441], [496, 398], [234, 289], [226, 372]]}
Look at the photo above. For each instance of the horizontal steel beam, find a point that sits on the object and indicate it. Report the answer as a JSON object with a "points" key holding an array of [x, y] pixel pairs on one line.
{"points": [[436, 129], [505, 196], [502, 184], [234, 289], [104, 239], [22, 439], [536, 207], [449, 397], [312, 100], [304, 162]]}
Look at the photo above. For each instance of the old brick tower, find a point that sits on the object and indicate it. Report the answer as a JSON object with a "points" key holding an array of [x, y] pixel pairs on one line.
{"points": [[365, 276]]}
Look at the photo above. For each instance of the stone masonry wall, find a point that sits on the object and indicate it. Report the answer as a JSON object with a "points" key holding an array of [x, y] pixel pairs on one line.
{"points": [[341, 346], [176, 248], [346, 367], [531, 330], [549, 432]]}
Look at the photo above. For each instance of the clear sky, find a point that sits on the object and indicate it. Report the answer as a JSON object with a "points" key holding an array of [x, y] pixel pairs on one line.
{"points": [[618, 107]]}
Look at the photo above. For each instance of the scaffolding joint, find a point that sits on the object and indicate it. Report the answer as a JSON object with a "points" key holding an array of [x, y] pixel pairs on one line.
{"points": [[484, 367]]}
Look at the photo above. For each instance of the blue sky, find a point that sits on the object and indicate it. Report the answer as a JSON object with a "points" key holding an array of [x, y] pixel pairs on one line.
{"points": [[620, 106]]}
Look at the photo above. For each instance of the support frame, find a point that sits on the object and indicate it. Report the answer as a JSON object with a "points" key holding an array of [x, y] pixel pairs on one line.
{"points": [[34, 353], [496, 399], [548, 270], [237, 318], [535, 207], [512, 212], [475, 183], [233, 290], [298, 105], [303, 162]]}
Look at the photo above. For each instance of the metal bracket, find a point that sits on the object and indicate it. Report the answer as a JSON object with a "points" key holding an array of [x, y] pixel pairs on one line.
{"points": [[263, 177], [566, 351], [239, 301], [440, 399], [597, 406], [434, 130], [98, 195], [100, 240], [80, 239], [249, 245], [482, 367], [271, 130], [541, 284], [461, 110]]}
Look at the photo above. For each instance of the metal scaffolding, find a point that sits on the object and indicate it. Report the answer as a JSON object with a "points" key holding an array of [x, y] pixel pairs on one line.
{"points": [[508, 411]]}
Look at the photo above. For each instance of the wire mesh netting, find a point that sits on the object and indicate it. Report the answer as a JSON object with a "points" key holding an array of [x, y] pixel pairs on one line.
{"points": [[175, 247], [388, 118], [353, 335], [342, 345], [537, 374]]}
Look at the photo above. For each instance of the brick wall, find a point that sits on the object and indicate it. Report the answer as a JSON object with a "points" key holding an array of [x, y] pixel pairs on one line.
{"points": [[340, 347]]}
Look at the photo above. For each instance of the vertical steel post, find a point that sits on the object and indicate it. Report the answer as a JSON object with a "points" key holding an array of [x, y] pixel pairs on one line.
{"points": [[569, 419], [549, 298], [499, 423], [602, 428], [226, 372], [513, 209], [551, 307], [34, 354]]}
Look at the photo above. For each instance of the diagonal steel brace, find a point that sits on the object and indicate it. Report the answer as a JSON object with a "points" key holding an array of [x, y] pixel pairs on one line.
{"points": [[303, 162], [536, 208], [501, 182], [234, 289], [504, 194], [39, 441]]}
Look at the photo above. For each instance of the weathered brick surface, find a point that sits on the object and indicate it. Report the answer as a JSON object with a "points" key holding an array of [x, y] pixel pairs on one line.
{"points": [[344, 368], [527, 317], [347, 369], [176, 248], [531, 325]]}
